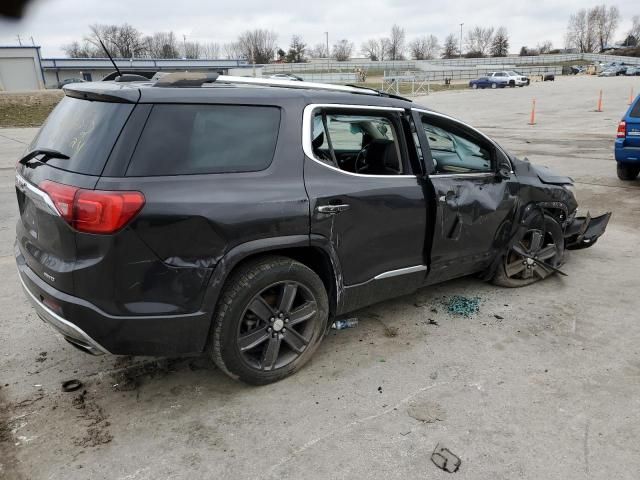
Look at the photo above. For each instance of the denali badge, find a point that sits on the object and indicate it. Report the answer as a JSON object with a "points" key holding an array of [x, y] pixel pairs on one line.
{"points": [[51, 278]]}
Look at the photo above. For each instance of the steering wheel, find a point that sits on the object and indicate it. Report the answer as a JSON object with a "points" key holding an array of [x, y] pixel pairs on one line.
{"points": [[361, 160]]}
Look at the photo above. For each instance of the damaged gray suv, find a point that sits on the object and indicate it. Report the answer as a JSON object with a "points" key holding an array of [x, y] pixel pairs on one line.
{"points": [[239, 217]]}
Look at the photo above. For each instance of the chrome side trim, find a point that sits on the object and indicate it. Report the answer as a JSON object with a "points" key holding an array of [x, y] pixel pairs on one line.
{"points": [[400, 271], [60, 324], [307, 140], [35, 193], [462, 174], [448, 117]]}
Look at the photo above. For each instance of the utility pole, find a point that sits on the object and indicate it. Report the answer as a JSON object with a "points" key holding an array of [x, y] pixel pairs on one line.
{"points": [[461, 39], [19, 40], [328, 56], [184, 40]]}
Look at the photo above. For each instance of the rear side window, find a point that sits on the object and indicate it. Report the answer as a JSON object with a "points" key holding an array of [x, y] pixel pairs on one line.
{"points": [[199, 139], [635, 110], [83, 130]]}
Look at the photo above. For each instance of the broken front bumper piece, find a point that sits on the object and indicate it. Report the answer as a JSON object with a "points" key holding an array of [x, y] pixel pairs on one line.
{"points": [[582, 232]]}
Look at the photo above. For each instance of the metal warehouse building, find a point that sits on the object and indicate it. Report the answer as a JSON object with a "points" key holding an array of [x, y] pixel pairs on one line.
{"points": [[22, 68]]}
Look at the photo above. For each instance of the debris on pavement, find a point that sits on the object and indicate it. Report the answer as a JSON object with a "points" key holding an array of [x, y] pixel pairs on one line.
{"points": [[344, 323], [71, 385], [463, 306], [426, 411], [445, 459]]}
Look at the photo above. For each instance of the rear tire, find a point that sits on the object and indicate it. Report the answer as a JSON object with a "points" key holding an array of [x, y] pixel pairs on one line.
{"points": [[474, 86], [494, 85], [270, 319], [627, 172], [514, 272]]}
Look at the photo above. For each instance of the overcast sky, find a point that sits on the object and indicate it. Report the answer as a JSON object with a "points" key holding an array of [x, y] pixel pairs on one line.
{"points": [[54, 23]]}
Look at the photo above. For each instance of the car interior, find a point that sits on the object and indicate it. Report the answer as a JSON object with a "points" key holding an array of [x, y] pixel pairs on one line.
{"points": [[361, 144]]}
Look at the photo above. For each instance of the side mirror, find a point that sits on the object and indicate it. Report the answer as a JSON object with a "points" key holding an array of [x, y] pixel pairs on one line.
{"points": [[504, 171]]}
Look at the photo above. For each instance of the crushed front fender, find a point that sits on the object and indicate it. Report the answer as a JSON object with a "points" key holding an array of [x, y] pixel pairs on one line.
{"points": [[582, 232]]}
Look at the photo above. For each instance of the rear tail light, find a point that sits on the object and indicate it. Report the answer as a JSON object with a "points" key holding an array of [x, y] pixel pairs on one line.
{"points": [[94, 211], [622, 129]]}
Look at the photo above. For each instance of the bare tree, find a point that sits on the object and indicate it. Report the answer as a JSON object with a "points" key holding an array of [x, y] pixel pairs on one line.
{"points": [[191, 50], [424, 48], [479, 41], [81, 50], [342, 50], [232, 51], [319, 50], [606, 22], [210, 50], [581, 31], [500, 43], [296, 50], [396, 46], [370, 48], [450, 47], [123, 41], [259, 45], [162, 45], [635, 27], [545, 47]]}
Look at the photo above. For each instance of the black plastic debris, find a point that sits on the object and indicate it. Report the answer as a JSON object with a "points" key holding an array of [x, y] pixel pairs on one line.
{"points": [[445, 459], [71, 385]]}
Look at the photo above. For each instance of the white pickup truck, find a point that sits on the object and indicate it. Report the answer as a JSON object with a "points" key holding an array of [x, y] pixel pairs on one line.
{"points": [[512, 78]]}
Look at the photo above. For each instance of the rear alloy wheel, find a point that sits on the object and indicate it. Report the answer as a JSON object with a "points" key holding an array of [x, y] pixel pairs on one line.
{"points": [[270, 320], [627, 172], [525, 262], [494, 85], [474, 86]]}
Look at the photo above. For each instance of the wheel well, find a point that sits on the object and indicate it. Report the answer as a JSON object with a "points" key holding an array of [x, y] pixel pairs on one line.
{"points": [[314, 258]]}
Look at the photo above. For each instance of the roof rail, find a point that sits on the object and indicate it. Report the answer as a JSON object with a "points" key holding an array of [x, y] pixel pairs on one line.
{"points": [[275, 82]]}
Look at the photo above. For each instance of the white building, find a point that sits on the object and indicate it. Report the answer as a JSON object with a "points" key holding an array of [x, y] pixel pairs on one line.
{"points": [[20, 68]]}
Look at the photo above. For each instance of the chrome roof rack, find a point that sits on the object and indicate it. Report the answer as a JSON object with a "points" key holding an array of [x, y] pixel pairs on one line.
{"points": [[275, 82]]}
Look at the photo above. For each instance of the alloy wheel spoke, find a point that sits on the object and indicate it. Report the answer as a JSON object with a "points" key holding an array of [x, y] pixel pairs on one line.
{"points": [[547, 252], [515, 267], [295, 340], [287, 296], [261, 308], [270, 355], [302, 313], [252, 339]]}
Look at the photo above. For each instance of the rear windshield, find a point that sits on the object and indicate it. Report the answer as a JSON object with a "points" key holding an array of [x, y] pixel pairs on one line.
{"points": [[198, 139], [83, 130], [635, 110]]}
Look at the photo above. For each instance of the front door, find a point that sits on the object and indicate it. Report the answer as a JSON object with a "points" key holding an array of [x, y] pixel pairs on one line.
{"points": [[366, 199], [475, 206]]}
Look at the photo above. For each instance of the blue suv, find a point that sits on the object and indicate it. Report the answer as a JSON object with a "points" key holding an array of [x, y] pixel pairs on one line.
{"points": [[627, 149]]}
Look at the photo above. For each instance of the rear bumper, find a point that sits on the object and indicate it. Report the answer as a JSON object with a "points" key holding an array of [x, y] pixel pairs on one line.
{"points": [[97, 332], [72, 333], [625, 153]]}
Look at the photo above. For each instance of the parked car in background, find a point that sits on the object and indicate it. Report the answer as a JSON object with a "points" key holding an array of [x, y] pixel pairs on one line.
{"points": [[192, 217], [486, 82], [608, 72], [632, 71], [512, 78], [627, 145], [69, 81]]}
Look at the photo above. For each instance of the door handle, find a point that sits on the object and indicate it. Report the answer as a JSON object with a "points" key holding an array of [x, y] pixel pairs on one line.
{"points": [[332, 209]]}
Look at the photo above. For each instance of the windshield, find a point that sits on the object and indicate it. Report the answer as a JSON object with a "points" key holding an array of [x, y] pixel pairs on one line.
{"points": [[83, 130]]}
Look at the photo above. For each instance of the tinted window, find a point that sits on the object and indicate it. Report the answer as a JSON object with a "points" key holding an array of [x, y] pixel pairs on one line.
{"points": [[83, 130], [196, 139], [635, 110]]}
